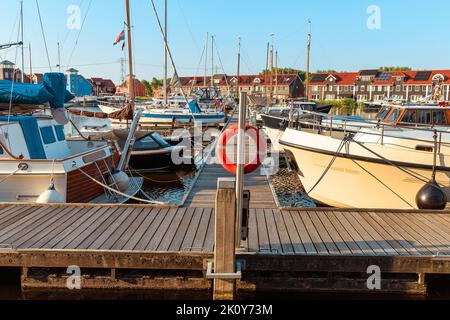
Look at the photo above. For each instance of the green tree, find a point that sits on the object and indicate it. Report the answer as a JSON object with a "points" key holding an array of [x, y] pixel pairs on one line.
{"points": [[301, 73], [148, 87], [326, 71], [394, 68], [156, 83]]}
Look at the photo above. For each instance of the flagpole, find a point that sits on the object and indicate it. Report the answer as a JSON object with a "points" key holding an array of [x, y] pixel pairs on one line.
{"points": [[130, 58]]}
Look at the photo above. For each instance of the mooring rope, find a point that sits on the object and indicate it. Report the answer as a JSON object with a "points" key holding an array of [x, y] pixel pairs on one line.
{"points": [[119, 192], [341, 145]]}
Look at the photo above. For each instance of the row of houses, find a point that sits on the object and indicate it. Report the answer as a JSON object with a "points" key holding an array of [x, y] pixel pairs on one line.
{"points": [[376, 85], [77, 84], [280, 87]]}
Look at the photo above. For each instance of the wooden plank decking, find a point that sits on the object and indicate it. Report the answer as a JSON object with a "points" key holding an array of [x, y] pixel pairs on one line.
{"points": [[204, 189], [272, 231]]}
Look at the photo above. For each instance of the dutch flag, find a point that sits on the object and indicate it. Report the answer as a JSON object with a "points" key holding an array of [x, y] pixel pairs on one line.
{"points": [[120, 37]]}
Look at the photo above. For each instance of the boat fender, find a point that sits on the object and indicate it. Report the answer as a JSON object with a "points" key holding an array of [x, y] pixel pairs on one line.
{"points": [[431, 197], [254, 162], [50, 196], [120, 179]]}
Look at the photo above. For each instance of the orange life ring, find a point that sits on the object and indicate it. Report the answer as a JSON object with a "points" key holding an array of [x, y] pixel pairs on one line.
{"points": [[230, 165]]}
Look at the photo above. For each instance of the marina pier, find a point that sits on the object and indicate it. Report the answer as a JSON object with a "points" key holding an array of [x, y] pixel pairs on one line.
{"points": [[302, 250]]}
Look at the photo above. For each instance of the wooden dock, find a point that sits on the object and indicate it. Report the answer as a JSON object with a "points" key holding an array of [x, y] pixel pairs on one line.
{"points": [[202, 193], [137, 246]]}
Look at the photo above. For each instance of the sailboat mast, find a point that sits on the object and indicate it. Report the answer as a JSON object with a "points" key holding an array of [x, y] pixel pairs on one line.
{"points": [[238, 67], [21, 35], [276, 74], [130, 57], [267, 67], [31, 65], [308, 50], [212, 60], [165, 53], [206, 59], [59, 58]]}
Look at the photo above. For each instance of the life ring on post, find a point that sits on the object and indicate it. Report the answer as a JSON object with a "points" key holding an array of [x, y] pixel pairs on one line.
{"points": [[254, 161]]}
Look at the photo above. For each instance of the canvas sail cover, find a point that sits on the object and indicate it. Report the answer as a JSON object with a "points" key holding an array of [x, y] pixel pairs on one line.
{"points": [[52, 90]]}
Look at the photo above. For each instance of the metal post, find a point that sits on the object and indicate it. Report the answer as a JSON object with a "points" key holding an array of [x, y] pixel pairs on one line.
{"points": [[240, 164]]}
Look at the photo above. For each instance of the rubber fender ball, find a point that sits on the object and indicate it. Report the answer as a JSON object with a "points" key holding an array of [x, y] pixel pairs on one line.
{"points": [[120, 179], [431, 196], [50, 196]]}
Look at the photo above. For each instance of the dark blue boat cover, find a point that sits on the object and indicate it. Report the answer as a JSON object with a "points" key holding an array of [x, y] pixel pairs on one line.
{"points": [[52, 90], [30, 130]]}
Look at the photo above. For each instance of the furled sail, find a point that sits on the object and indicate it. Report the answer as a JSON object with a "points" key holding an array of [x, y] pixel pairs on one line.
{"points": [[52, 91]]}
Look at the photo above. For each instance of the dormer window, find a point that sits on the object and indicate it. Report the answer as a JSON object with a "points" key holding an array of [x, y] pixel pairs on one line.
{"points": [[257, 80], [234, 80], [438, 77]]}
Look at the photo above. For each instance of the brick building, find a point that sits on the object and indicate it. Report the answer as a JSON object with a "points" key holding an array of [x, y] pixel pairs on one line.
{"points": [[139, 89], [280, 87], [375, 85], [8, 71], [101, 87]]}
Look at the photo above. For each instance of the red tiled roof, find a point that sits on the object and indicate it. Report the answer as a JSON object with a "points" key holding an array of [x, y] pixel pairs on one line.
{"points": [[244, 80], [342, 78], [349, 78]]}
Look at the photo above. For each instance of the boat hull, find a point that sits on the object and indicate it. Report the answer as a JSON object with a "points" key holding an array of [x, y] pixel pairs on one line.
{"points": [[354, 181]]}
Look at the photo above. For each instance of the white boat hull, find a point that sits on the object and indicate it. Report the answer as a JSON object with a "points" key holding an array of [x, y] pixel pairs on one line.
{"points": [[357, 182]]}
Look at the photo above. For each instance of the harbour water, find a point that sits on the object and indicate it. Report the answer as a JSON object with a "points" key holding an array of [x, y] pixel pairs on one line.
{"points": [[171, 186]]}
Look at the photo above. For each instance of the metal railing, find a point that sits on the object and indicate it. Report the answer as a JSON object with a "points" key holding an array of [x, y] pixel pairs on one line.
{"points": [[346, 124]]}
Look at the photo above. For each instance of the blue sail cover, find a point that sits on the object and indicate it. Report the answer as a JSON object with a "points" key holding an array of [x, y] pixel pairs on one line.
{"points": [[193, 106], [52, 90]]}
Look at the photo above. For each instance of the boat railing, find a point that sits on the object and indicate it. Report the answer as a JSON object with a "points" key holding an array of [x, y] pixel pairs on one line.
{"points": [[347, 124]]}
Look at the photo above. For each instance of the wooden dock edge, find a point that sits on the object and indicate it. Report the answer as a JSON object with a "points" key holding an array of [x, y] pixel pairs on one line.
{"points": [[178, 271]]}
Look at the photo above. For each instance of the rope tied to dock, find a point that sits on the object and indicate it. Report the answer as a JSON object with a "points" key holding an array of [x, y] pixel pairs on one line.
{"points": [[119, 192]]}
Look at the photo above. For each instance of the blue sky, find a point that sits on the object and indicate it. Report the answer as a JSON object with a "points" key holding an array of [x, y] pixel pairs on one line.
{"points": [[413, 33]]}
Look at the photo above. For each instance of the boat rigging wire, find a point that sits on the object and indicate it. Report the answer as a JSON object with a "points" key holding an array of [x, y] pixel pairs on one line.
{"points": [[382, 183], [43, 35], [414, 175], [117, 191], [79, 32], [10, 175], [198, 68], [221, 64]]}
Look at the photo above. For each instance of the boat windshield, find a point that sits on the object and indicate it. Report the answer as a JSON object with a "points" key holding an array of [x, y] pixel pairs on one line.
{"points": [[383, 113]]}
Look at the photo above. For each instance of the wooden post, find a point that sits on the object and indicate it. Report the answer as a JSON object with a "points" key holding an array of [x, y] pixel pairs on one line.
{"points": [[224, 252]]}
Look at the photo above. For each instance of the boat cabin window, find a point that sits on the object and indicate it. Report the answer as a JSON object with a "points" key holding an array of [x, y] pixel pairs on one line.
{"points": [[383, 113], [424, 116], [48, 136], [394, 115], [409, 117], [439, 117], [60, 133]]}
